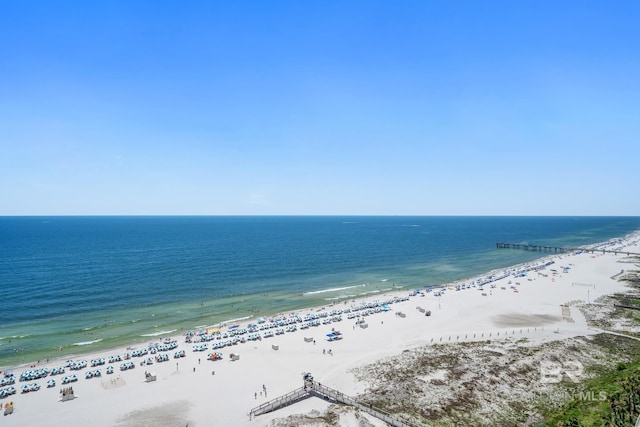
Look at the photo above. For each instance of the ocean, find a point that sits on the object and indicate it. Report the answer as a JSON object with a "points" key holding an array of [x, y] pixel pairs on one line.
{"points": [[76, 284]]}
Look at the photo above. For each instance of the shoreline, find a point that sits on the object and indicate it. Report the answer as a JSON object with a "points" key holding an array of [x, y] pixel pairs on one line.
{"points": [[456, 316], [635, 235], [134, 326]]}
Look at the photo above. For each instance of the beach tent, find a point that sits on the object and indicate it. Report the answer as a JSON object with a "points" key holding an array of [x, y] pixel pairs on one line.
{"points": [[333, 337]]}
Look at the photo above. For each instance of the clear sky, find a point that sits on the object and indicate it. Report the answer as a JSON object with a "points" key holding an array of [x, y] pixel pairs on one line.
{"points": [[320, 107]]}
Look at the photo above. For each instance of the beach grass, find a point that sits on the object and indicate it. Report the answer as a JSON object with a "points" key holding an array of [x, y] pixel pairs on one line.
{"points": [[611, 397]]}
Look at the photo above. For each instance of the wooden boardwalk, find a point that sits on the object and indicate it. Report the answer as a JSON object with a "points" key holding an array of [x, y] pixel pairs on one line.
{"points": [[313, 388], [281, 401], [559, 249]]}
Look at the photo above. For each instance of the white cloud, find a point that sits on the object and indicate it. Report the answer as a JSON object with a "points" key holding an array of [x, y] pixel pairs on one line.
{"points": [[258, 199]]}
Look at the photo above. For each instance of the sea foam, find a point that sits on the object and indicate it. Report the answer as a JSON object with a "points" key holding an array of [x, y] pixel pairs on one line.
{"points": [[87, 342], [155, 334], [323, 291]]}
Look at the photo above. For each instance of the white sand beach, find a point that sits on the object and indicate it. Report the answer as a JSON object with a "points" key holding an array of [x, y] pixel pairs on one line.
{"points": [[194, 391]]}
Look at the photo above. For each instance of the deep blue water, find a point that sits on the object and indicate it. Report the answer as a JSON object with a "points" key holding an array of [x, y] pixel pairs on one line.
{"points": [[73, 280]]}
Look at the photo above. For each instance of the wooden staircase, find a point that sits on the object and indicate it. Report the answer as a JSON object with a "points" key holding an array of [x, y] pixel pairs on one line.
{"points": [[313, 388]]}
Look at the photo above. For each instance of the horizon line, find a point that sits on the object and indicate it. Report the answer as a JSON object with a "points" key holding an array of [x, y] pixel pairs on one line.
{"points": [[320, 215]]}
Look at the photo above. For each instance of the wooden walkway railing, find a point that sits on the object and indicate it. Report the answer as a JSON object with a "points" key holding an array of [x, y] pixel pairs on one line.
{"points": [[281, 401], [316, 389], [335, 395]]}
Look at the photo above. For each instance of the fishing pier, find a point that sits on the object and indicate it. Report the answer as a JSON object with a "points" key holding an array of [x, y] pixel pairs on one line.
{"points": [[560, 249]]}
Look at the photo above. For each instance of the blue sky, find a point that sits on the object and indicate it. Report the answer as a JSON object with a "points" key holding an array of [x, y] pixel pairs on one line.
{"points": [[320, 107]]}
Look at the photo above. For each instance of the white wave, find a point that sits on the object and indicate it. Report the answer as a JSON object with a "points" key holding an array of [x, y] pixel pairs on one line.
{"points": [[238, 319], [87, 329], [334, 289], [225, 322], [155, 334], [87, 342], [375, 291]]}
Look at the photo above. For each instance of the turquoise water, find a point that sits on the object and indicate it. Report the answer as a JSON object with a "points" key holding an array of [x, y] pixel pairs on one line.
{"points": [[89, 283]]}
